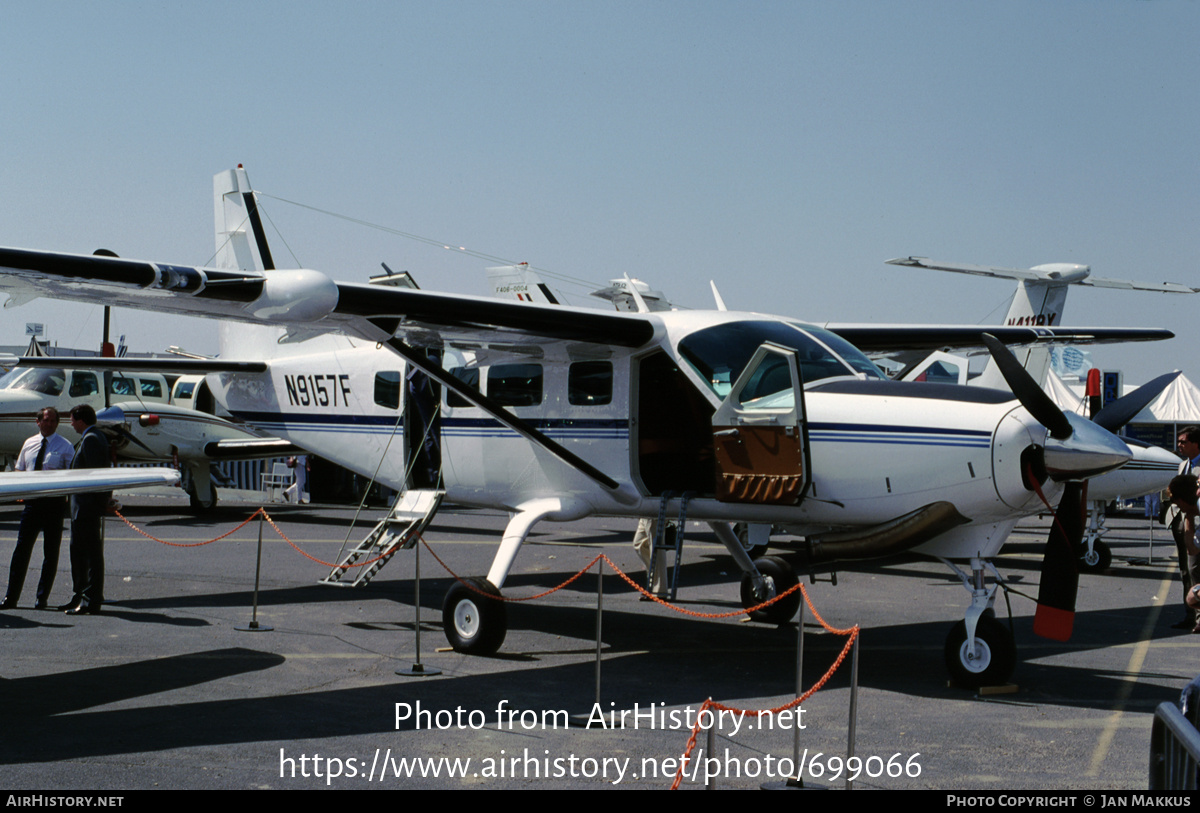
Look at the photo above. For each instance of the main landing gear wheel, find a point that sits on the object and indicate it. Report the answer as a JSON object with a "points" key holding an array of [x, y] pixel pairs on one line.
{"points": [[742, 530], [474, 623], [198, 505], [992, 659], [1097, 559], [780, 579]]}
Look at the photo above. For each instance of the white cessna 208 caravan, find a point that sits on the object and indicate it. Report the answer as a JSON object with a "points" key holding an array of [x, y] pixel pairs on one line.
{"points": [[560, 413]]}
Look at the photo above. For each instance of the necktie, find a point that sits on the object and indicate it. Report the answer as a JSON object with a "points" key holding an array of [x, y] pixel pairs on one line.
{"points": [[37, 465]]}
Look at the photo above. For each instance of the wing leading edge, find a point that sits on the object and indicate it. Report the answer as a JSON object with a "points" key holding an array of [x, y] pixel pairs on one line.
{"points": [[309, 300]]}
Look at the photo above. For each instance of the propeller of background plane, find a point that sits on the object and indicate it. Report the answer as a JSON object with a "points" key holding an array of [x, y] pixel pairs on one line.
{"points": [[112, 419]]}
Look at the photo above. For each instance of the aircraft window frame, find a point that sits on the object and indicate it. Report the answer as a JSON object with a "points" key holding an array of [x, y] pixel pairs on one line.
{"points": [[387, 391], [590, 383], [46, 380], [150, 388], [470, 377], [83, 384], [720, 353], [766, 389], [184, 390], [516, 385], [850, 355]]}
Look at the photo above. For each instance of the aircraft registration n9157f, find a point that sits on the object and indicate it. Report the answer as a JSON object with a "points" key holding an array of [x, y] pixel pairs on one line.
{"points": [[557, 413]]}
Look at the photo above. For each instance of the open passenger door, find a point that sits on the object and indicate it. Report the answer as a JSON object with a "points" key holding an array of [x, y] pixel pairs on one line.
{"points": [[759, 434]]}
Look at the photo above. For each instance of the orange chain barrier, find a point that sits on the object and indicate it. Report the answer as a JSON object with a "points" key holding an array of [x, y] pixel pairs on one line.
{"points": [[624, 576], [852, 633], [188, 544], [248, 520], [710, 703]]}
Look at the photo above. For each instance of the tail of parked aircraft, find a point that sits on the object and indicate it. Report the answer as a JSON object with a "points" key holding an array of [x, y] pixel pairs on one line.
{"points": [[1038, 301], [241, 245]]}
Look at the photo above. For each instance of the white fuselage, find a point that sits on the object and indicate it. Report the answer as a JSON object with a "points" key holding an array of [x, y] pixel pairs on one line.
{"points": [[873, 456]]}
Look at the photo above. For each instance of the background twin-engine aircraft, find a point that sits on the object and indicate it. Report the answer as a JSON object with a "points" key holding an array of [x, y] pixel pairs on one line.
{"points": [[559, 413], [147, 417]]}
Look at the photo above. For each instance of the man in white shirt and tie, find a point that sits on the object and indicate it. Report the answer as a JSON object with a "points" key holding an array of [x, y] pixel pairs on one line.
{"points": [[45, 451]]}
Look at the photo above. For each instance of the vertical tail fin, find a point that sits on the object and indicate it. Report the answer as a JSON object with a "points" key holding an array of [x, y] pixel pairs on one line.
{"points": [[241, 239]]}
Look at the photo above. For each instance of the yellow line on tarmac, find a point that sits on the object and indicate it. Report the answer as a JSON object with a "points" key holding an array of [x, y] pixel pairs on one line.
{"points": [[1136, 660]]}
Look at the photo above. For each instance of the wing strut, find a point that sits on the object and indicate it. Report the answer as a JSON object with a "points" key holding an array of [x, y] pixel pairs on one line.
{"points": [[501, 414]]}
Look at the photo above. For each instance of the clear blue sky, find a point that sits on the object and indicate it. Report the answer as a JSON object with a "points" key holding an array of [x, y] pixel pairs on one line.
{"points": [[783, 149]]}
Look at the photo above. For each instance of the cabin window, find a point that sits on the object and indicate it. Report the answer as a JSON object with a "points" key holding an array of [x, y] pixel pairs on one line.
{"points": [[468, 376], [184, 389], [515, 384], [590, 383], [83, 384], [387, 389], [150, 388], [119, 386]]}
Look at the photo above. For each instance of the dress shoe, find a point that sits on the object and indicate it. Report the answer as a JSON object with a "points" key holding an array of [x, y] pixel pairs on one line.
{"points": [[85, 609], [40, 604], [70, 605], [8, 604]]}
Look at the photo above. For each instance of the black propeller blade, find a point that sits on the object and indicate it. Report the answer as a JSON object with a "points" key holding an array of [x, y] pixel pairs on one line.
{"points": [[1121, 411], [1028, 392], [1055, 617]]}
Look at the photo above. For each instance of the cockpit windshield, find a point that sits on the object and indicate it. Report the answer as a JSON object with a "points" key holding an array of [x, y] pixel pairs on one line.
{"points": [[48, 381], [720, 353]]}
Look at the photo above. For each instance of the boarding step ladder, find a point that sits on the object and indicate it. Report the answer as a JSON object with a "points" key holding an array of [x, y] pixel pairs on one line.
{"points": [[664, 541], [399, 530]]}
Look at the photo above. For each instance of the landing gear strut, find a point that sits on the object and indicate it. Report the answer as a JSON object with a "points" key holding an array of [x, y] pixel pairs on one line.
{"points": [[979, 650], [1094, 555]]}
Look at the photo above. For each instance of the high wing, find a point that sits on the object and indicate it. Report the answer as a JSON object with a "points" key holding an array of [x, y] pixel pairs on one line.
{"points": [[306, 300], [24, 485], [1050, 272], [880, 338], [152, 365]]}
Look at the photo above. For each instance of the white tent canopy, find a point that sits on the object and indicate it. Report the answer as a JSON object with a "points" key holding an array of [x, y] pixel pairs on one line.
{"points": [[1178, 403]]}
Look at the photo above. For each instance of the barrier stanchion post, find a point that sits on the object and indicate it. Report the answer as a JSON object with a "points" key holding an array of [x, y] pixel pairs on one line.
{"points": [[599, 621], [798, 781], [254, 626], [418, 668], [853, 708], [710, 745]]}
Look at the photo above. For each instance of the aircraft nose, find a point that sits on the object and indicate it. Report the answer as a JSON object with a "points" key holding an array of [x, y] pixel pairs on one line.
{"points": [[1090, 450]]}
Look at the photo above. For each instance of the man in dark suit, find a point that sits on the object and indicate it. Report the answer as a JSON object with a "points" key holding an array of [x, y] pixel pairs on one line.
{"points": [[87, 514]]}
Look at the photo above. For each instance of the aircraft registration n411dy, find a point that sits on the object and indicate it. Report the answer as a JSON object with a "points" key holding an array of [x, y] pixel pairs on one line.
{"points": [[557, 413]]}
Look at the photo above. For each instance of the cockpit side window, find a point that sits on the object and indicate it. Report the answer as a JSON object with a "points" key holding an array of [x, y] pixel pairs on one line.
{"points": [[720, 353]]}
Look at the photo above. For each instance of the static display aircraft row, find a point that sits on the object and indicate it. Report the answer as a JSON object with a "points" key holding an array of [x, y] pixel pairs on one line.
{"points": [[557, 413]]}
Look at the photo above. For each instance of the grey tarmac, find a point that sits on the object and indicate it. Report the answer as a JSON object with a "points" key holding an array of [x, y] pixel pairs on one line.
{"points": [[162, 690]]}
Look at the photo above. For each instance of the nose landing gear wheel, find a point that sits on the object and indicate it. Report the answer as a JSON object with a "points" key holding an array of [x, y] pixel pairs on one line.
{"points": [[474, 623], [992, 659], [1097, 559], [780, 579]]}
